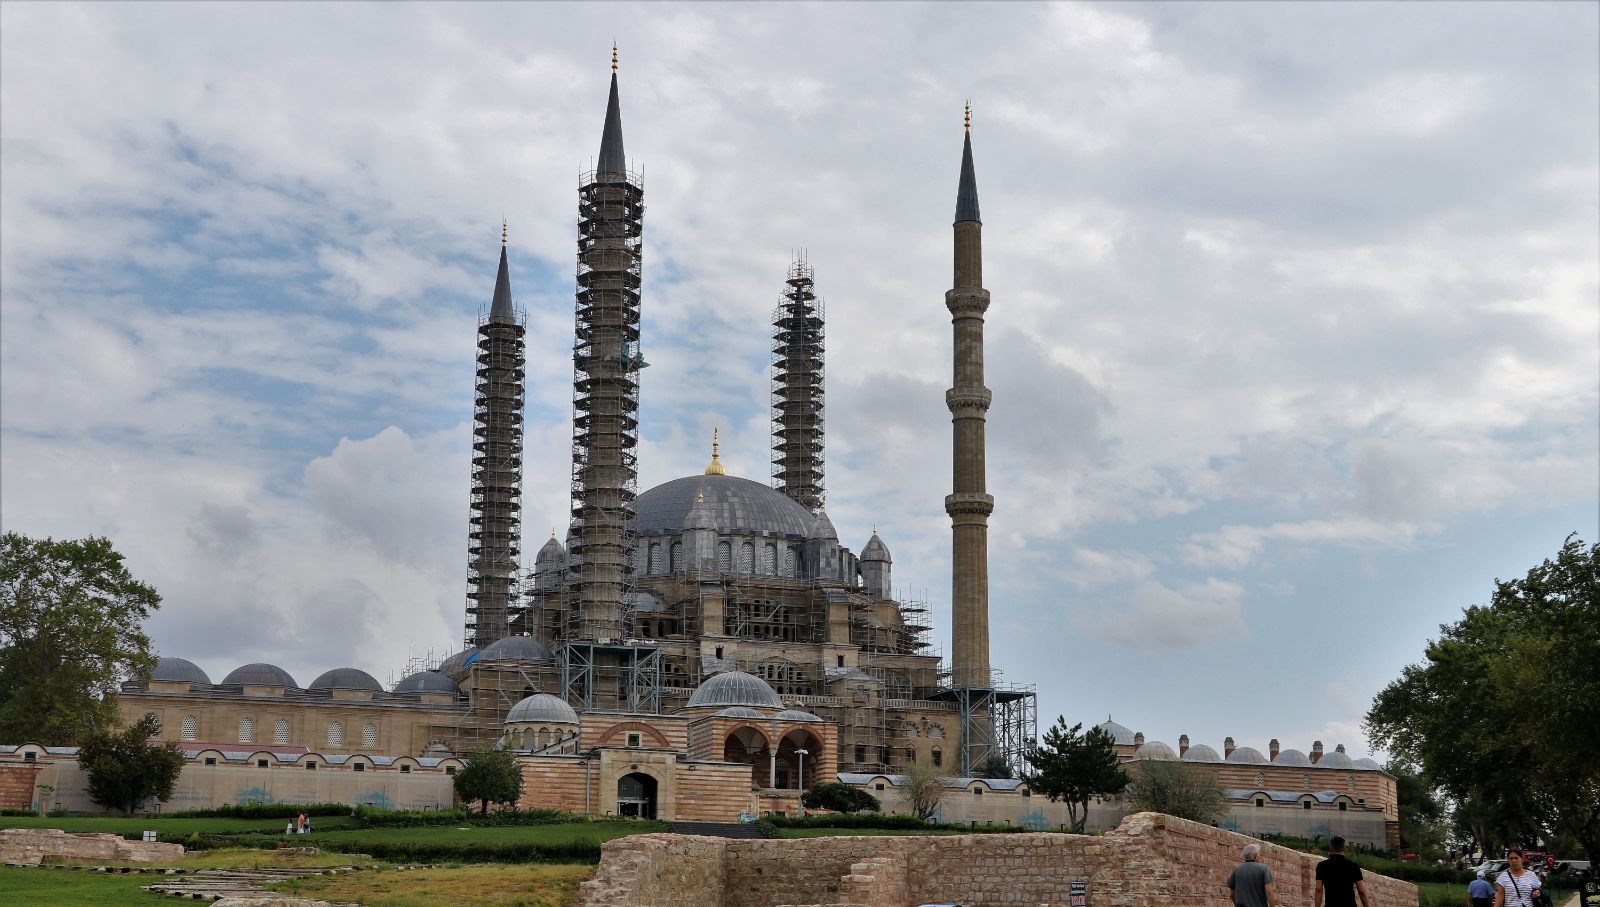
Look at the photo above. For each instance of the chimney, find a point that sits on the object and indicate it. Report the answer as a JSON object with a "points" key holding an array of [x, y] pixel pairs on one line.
{"points": [[1272, 750], [1316, 751], [1339, 748], [1138, 739], [1227, 747], [1183, 744]]}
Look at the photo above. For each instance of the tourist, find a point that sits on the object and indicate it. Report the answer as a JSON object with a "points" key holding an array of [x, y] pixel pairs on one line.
{"points": [[308, 825], [300, 824], [1480, 893], [1518, 886], [288, 829], [1338, 879], [1251, 881]]}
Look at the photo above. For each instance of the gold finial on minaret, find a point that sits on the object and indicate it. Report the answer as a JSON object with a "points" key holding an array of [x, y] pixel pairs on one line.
{"points": [[505, 228], [613, 56], [552, 533], [715, 467], [968, 119]]}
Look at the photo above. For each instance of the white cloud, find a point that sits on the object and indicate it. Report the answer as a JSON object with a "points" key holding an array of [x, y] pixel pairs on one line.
{"points": [[1155, 617]]}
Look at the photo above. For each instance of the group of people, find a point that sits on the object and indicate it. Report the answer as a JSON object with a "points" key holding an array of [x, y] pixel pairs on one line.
{"points": [[1339, 883], [300, 826]]}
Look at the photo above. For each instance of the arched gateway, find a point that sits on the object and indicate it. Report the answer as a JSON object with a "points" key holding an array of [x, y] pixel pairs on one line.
{"points": [[636, 796]]}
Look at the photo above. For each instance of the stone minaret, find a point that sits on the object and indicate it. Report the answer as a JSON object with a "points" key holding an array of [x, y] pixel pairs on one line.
{"points": [[605, 388], [970, 504], [495, 533]]}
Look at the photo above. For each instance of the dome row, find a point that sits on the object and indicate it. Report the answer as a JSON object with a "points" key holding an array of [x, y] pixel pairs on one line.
{"points": [[182, 670], [1244, 755]]}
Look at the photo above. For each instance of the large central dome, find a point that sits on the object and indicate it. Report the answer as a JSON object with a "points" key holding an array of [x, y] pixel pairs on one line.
{"points": [[739, 507]]}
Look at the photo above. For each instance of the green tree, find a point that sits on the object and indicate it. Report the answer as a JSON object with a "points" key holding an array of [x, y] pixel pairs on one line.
{"points": [[840, 798], [490, 776], [923, 788], [995, 766], [71, 630], [1072, 766], [1501, 714], [1422, 814], [1182, 789], [125, 769]]}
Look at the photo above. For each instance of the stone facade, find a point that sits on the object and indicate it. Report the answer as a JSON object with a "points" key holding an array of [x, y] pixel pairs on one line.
{"points": [[1150, 860], [31, 846]]}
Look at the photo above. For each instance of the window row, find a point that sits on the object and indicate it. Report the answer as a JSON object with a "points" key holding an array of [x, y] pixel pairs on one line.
{"points": [[189, 731]]}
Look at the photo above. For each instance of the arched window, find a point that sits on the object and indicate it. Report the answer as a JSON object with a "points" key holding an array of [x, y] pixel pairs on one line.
{"points": [[280, 731], [677, 557], [247, 730], [769, 558], [1350, 782], [1305, 781], [335, 733], [544, 737], [527, 738], [788, 560], [654, 566], [725, 557], [747, 558], [191, 727], [938, 757], [1261, 779], [369, 735]]}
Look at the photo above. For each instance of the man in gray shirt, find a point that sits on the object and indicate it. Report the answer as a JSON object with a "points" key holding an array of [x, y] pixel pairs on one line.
{"points": [[1251, 881]]}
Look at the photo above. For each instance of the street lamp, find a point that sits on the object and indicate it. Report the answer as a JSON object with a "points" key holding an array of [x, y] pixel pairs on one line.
{"points": [[801, 779]]}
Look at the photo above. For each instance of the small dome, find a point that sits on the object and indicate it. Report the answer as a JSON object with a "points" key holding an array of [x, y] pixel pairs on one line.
{"points": [[875, 549], [346, 679], [738, 711], [457, 661], [516, 648], [542, 708], [1248, 755], [1291, 757], [822, 527], [1369, 764], [427, 682], [1155, 749], [179, 669], [1121, 736], [552, 553], [796, 715], [644, 602], [261, 674], [1335, 760], [1200, 753], [735, 688]]}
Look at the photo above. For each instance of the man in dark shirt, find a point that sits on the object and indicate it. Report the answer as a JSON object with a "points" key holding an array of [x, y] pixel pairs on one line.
{"points": [[1338, 880]]}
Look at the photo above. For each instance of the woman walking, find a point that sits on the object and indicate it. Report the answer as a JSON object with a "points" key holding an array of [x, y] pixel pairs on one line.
{"points": [[1517, 886]]}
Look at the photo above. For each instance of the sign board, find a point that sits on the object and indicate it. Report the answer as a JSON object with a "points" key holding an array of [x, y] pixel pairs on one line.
{"points": [[1589, 894], [1078, 893]]}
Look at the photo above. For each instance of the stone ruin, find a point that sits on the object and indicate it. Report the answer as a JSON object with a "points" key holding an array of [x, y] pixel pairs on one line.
{"points": [[32, 846]]}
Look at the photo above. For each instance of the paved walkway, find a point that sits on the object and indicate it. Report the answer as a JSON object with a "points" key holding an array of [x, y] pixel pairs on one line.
{"points": [[213, 884]]}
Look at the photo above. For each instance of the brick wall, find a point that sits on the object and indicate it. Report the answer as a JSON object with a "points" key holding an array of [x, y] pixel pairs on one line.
{"points": [[556, 782], [16, 785]]}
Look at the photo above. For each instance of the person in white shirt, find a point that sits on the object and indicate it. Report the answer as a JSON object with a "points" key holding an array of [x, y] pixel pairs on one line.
{"points": [[1517, 886]]}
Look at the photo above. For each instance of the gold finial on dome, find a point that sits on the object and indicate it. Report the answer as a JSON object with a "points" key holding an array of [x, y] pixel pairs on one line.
{"points": [[505, 227], [613, 56], [968, 119], [714, 468]]}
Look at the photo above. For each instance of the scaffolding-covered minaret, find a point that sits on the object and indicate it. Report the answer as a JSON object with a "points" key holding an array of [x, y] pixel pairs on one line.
{"points": [[495, 533], [797, 390]]}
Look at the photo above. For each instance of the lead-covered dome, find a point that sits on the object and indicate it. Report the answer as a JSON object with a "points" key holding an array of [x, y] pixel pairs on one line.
{"points": [[346, 679], [796, 715], [1200, 753], [1155, 749], [1248, 755], [516, 648], [1291, 757], [737, 506], [427, 682], [1120, 735], [542, 708], [1368, 764], [180, 670], [875, 550], [735, 688], [457, 661], [259, 674], [1336, 759]]}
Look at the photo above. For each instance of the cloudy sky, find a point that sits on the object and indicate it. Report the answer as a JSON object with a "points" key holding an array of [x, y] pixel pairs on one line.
{"points": [[1295, 340]]}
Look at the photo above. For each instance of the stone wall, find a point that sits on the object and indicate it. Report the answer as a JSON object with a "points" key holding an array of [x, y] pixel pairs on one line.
{"points": [[16, 785], [1151, 860], [30, 846]]}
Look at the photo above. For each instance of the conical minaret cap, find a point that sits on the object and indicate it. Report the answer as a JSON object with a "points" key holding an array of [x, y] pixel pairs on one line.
{"points": [[613, 162], [967, 192], [500, 309]]}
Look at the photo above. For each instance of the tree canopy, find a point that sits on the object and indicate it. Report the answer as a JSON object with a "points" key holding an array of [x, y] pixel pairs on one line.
{"points": [[490, 776], [840, 798], [1183, 789], [71, 630], [1073, 767], [125, 769], [1503, 712], [923, 787]]}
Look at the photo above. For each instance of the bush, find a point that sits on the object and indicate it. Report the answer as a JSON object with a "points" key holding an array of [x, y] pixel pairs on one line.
{"points": [[405, 851], [881, 821], [840, 798], [369, 817], [17, 812], [263, 811]]}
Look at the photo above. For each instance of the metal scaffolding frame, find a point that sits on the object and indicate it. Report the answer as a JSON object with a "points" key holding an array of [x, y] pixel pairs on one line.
{"points": [[634, 667], [798, 386], [494, 599], [1001, 720]]}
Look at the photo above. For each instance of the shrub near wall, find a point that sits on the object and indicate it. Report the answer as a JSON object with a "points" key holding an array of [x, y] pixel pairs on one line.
{"points": [[262, 811], [882, 821], [407, 851]]}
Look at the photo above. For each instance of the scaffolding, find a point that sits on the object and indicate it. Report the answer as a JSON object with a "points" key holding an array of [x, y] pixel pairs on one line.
{"points": [[999, 721], [624, 676], [495, 526], [797, 390]]}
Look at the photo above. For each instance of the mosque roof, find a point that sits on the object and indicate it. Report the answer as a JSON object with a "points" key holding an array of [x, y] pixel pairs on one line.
{"points": [[1121, 736], [427, 682], [875, 549], [516, 648], [259, 673], [735, 688], [822, 527], [551, 552], [542, 708], [346, 679], [1200, 753], [1248, 755], [1371, 764], [457, 661], [1335, 759], [738, 711], [796, 715], [1291, 757], [1155, 749], [737, 506], [179, 669], [643, 602]]}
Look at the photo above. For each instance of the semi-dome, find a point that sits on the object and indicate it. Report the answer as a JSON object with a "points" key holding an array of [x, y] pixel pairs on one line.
{"points": [[427, 682], [875, 549], [179, 669], [1200, 753], [1291, 757], [516, 648], [735, 688], [346, 679], [1248, 755], [738, 711], [737, 506], [457, 661], [1369, 764], [796, 715], [1121, 736], [1155, 749], [542, 708], [1335, 759], [259, 674]]}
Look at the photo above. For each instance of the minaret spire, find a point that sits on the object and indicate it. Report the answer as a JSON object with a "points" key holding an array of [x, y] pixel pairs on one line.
{"points": [[613, 162], [798, 389], [970, 504], [500, 309]]}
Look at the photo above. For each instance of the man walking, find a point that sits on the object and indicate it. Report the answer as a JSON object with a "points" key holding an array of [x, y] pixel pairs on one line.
{"points": [[1251, 881], [1338, 880]]}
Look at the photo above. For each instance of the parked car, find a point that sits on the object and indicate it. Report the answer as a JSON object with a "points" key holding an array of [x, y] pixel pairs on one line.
{"points": [[1570, 869], [1492, 868]]}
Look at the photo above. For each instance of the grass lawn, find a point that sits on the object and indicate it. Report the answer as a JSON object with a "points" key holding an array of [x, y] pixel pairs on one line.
{"points": [[130, 828], [596, 832], [484, 885], [60, 888]]}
